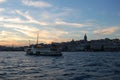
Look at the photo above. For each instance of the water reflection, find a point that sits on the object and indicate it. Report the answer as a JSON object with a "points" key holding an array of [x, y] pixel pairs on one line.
{"points": [[71, 66]]}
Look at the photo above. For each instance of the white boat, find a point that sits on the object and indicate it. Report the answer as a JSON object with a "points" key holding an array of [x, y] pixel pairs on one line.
{"points": [[42, 51]]}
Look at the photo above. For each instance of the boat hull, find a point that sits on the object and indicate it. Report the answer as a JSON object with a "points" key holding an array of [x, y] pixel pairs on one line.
{"points": [[45, 53]]}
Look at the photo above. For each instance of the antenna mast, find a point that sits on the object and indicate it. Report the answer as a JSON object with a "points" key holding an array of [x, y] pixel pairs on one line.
{"points": [[37, 37], [29, 42]]}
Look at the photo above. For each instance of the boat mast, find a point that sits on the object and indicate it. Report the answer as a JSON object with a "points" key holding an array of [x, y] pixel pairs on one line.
{"points": [[29, 42], [37, 38]]}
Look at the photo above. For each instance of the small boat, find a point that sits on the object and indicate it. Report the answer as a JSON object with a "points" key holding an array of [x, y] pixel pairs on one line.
{"points": [[41, 51]]}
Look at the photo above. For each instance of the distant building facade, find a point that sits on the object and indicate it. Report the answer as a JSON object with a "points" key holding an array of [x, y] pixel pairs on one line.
{"points": [[93, 45]]}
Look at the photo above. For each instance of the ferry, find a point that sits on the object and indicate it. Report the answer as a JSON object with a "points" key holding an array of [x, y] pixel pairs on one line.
{"points": [[42, 51]]}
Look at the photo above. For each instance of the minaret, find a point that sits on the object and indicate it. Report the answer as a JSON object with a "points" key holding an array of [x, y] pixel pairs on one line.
{"points": [[85, 38]]}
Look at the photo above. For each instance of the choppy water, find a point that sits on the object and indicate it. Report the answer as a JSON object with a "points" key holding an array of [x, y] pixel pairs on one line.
{"points": [[71, 66]]}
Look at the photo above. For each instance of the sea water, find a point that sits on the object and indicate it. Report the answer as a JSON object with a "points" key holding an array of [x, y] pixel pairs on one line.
{"points": [[70, 66]]}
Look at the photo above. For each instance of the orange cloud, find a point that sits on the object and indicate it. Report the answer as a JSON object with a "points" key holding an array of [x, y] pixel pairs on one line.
{"points": [[106, 30]]}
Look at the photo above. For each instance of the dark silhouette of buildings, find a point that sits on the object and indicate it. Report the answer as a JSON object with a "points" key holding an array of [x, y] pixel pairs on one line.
{"points": [[79, 45], [93, 45]]}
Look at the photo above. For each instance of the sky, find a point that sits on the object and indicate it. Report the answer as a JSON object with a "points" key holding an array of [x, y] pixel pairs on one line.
{"points": [[57, 20]]}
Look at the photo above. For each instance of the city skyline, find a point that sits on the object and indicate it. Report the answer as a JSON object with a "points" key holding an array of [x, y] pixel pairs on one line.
{"points": [[57, 21]]}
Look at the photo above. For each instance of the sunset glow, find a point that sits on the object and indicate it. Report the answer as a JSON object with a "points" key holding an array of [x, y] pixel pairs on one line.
{"points": [[57, 20]]}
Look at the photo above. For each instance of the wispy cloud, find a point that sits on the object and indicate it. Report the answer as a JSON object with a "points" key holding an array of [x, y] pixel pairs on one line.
{"points": [[22, 27], [4, 33], [2, 9], [11, 19], [47, 20], [63, 23], [8, 35], [25, 14], [34, 3], [23, 30], [2, 1], [56, 14], [26, 30], [12, 38], [30, 32], [106, 31], [29, 19]]}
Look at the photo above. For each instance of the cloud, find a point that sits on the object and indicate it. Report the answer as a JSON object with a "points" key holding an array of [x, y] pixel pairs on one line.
{"points": [[9, 35], [24, 26], [24, 29], [12, 38], [106, 30], [2, 9], [54, 22], [11, 19], [63, 23], [33, 3], [26, 15], [2, 1], [56, 14], [29, 18], [4, 33], [21, 27], [30, 32]]}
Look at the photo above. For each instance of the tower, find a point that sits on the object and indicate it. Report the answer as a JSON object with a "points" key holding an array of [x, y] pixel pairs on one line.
{"points": [[85, 38]]}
